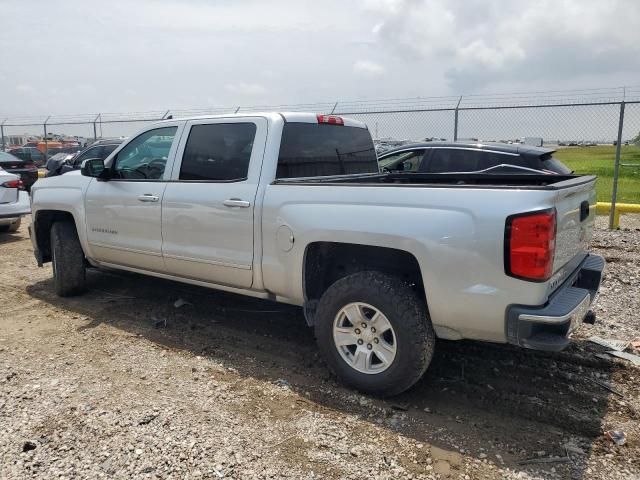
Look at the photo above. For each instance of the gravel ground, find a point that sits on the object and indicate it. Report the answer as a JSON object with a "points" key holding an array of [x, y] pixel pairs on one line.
{"points": [[119, 383]]}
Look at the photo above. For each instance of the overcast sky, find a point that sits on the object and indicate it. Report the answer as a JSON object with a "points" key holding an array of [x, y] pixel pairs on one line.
{"points": [[80, 56]]}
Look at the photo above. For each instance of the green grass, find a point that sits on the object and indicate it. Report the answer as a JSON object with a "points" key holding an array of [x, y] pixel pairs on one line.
{"points": [[600, 161]]}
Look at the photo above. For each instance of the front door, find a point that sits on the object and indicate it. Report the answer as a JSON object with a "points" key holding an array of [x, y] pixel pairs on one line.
{"points": [[208, 207], [123, 214]]}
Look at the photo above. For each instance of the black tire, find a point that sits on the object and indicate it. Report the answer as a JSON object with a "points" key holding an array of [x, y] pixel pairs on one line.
{"points": [[14, 226], [67, 257], [11, 228], [408, 316]]}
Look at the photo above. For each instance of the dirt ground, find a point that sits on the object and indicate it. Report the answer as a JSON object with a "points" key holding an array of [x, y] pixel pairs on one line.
{"points": [[120, 383]]}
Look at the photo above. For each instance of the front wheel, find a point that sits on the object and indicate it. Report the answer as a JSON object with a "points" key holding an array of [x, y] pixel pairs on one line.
{"points": [[375, 333], [67, 257]]}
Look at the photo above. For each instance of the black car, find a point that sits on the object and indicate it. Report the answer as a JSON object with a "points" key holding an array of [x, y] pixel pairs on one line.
{"points": [[446, 157], [100, 149], [67, 150], [29, 154], [26, 169]]}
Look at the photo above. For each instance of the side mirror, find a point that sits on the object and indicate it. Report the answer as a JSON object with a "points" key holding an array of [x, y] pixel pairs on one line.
{"points": [[94, 167]]}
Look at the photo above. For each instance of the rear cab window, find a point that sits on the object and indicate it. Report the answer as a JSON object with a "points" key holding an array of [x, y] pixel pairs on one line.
{"points": [[320, 149]]}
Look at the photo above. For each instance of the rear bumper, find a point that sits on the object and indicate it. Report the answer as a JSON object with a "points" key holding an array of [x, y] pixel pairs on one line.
{"points": [[16, 209], [547, 327]]}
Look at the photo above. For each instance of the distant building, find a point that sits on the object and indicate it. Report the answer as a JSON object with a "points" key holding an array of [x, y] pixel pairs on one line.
{"points": [[18, 140]]}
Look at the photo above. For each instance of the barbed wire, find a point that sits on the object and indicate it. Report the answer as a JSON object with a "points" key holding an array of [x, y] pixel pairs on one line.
{"points": [[591, 96]]}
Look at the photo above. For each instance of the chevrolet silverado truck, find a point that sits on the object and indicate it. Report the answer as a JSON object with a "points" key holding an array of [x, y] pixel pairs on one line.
{"points": [[292, 207]]}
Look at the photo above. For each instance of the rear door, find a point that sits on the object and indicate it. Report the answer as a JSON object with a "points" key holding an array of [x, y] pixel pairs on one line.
{"points": [[209, 206]]}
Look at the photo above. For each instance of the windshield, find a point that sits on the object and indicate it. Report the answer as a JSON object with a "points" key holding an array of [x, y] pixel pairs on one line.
{"points": [[7, 157]]}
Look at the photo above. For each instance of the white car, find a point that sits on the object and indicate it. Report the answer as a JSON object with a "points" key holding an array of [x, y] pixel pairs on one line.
{"points": [[14, 202]]}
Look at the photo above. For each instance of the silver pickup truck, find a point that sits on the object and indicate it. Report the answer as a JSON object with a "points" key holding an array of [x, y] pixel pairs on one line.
{"points": [[292, 207]]}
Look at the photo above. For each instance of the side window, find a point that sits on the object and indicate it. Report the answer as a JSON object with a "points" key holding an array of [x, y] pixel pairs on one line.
{"points": [[444, 160], [145, 157], [219, 151], [493, 159], [403, 161]]}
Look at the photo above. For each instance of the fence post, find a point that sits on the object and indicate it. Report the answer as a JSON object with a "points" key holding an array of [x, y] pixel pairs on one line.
{"points": [[2, 134], [455, 120], [95, 131], [46, 142], [616, 168]]}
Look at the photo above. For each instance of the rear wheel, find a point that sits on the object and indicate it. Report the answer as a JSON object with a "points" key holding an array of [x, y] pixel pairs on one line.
{"points": [[67, 258], [375, 333]]}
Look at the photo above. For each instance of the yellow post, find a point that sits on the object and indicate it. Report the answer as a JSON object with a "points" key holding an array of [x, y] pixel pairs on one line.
{"points": [[620, 208]]}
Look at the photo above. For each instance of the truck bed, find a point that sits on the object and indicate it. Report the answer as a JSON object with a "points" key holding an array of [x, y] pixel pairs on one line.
{"points": [[474, 180]]}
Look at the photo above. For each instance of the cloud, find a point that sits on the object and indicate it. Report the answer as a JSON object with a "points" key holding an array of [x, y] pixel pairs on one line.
{"points": [[192, 53], [23, 88], [249, 89], [475, 44], [368, 68]]}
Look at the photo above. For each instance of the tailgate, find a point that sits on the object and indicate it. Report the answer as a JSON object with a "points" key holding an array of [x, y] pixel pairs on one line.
{"points": [[576, 210]]}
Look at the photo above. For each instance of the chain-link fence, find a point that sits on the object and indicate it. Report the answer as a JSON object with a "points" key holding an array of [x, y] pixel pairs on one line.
{"points": [[580, 118]]}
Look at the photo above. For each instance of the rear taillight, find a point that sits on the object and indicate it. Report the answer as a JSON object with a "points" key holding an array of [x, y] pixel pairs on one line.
{"points": [[530, 243], [330, 119], [13, 184]]}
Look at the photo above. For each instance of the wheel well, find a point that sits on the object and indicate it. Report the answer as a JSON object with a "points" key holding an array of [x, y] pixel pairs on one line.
{"points": [[327, 262], [42, 229]]}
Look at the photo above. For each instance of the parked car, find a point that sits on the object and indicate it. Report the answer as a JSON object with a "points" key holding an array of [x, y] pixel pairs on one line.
{"points": [[29, 154], [14, 201], [56, 162], [100, 149], [292, 207], [449, 157], [25, 169], [68, 149]]}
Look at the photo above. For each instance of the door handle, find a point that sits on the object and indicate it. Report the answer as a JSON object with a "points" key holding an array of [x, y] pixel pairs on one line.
{"points": [[147, 197], [236, 202]]}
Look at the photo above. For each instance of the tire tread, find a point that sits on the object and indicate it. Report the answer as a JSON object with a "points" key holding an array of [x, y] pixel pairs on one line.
{"points": [[406, 307], [69, 269]]}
